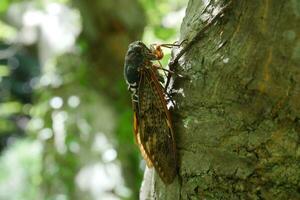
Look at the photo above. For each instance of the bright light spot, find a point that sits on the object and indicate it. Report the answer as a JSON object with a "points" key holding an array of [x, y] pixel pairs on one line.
{"points": [[18, 163], [225, 60], [123, 191], [100, 179], [54, 8], [54, 26], [56, 102], [45, 80], [28, 35], [50, 78], [109, 155], [59, 119], [45, 134], [74, 147], [32, 18], [37, 123], [61, 197], [56, 81], [173, 19], [73, 101], [100, 143], [65, 22]]}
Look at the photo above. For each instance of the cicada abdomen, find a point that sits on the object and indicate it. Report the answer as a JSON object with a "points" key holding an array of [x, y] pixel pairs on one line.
{"points": [[152, 121]]}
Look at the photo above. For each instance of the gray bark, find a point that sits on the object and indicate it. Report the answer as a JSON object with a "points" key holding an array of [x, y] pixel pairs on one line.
{"points": [[237, 123]]}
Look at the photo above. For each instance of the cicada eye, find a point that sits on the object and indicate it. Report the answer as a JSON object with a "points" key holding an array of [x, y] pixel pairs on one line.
{"points": [[140, 43]]}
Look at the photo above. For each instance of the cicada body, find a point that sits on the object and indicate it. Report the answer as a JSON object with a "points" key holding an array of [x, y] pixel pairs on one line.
{"points": [[152, 121]]}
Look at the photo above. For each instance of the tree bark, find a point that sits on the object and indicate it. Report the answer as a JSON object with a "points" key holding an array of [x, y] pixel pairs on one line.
{"points": [[237, 118]]}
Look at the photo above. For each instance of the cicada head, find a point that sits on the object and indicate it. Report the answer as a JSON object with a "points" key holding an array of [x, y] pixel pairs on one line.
{"points": [[157, 50], [137, 56]]}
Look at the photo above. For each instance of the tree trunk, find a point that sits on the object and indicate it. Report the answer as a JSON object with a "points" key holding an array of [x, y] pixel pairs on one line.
{"points": [[237, 119]]}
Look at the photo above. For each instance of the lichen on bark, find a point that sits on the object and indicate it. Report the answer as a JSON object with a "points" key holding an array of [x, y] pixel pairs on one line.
{"points": [[238, 123]]}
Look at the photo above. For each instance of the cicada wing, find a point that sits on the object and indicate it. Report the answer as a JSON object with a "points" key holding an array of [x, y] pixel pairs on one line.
{"points": [[156, 134], [137, 134]]}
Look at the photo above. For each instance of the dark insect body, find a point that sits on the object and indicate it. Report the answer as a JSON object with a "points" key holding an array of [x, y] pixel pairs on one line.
{"points": [[152, 121]]}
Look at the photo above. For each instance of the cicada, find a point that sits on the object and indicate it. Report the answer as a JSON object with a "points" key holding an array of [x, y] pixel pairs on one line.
{"points": [[152, 121]]}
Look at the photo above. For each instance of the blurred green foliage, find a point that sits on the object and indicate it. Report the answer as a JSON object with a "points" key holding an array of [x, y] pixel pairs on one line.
{"points": [[156, 10], [20, 166], [4, 5], [65, 113]]}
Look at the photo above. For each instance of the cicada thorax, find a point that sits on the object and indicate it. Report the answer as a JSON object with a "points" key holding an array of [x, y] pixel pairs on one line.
{"points": [[152, 120]]}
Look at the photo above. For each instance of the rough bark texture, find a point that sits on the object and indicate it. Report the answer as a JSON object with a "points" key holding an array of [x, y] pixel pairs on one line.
{"points": [[238, 120]]}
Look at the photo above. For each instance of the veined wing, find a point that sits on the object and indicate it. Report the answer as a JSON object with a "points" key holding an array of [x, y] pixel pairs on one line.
{"points": [[137, 134], [155, 128]]}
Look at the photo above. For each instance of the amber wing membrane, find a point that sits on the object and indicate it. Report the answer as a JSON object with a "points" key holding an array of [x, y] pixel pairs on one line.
{"points": [[137, 134], [154, 126]]}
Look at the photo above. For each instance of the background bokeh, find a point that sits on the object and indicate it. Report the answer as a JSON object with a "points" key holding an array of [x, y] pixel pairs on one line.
{"points": [[65, 112]]}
